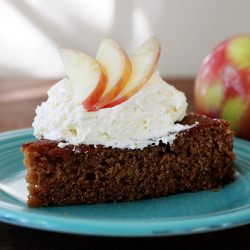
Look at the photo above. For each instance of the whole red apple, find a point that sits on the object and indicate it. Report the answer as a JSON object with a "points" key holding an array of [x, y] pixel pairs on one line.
{"points": [[222, 87]]}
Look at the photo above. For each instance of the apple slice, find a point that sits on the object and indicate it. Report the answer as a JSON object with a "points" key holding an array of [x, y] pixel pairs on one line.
{"points": [[144, 63], [118, 69], [87, 77]]}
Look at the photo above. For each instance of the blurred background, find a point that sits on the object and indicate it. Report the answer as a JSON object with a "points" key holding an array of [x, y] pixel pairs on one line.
{"points": [[32, 30]]}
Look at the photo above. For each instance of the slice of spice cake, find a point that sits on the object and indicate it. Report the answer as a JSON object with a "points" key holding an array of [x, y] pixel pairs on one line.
{"points": [[199, 158]]}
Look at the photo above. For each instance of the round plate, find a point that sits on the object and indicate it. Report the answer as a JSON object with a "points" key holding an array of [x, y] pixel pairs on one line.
{"points": [[172, 215]]}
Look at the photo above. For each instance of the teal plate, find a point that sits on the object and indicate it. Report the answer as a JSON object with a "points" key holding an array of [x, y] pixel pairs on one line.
{"points": [[179, 214]]}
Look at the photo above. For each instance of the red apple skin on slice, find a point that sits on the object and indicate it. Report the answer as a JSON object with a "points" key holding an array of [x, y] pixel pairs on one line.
{"points": [[118, 67], [144, 63], [87, 77], [93, 98]]}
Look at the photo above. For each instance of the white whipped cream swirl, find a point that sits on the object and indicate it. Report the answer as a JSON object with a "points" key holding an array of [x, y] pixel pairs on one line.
{"points": [[145, 119]]}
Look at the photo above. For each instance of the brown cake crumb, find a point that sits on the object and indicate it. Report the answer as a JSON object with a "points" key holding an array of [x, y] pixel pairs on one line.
{"points": [[199, 158]]}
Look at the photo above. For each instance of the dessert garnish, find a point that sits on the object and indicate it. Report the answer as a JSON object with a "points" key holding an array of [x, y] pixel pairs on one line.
{"points": [[112, 77], [114, 100]]}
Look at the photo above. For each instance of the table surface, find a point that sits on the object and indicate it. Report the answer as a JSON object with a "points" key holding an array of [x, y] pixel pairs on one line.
{"points": [[18, 99]]}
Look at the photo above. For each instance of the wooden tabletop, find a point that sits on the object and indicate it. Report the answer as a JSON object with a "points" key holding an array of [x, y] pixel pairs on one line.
{"points": [[18, 100]]}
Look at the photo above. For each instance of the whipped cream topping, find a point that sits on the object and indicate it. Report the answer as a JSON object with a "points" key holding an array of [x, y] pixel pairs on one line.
{"points": [[146, 118]]}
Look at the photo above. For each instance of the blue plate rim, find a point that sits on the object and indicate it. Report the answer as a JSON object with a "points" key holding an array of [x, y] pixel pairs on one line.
{"points": [[123, 228]]}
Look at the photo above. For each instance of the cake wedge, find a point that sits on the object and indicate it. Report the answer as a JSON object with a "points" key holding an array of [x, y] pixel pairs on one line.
{"points": [[200, 158]]}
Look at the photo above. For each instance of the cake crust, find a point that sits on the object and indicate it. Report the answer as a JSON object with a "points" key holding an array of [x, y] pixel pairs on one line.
{"points": [[199, 158]]}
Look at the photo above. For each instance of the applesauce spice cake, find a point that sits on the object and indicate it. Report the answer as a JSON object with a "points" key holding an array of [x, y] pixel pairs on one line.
{"points": [[113, 130]]}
